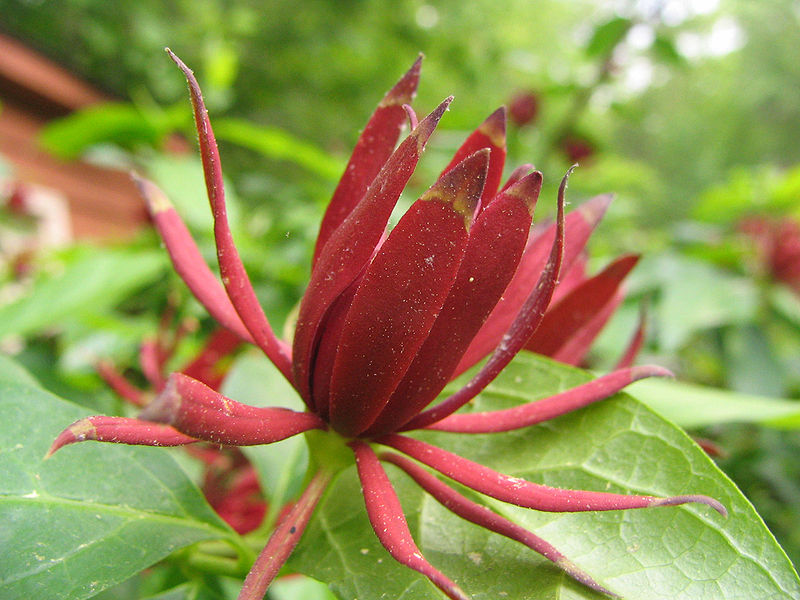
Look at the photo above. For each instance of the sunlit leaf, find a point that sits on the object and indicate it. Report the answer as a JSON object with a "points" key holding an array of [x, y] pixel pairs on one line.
{"points": [[90, 281], [277, 144], [607, 35], [692, 406], [123, 124]]}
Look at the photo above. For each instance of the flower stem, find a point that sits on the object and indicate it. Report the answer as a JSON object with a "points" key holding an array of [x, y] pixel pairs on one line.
{"points": [[284, 539]]}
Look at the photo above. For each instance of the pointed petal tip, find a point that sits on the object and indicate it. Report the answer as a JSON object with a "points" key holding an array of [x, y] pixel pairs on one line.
{"points": [[698, 498], [429, 123], [494, 127], [461, 187], [527, 189], [178, 61], [154, 198], [80, 430], [406, 88]]}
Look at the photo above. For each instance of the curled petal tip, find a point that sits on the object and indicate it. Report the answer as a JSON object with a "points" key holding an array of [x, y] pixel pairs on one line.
{"points": [[699, 498], [644, 371], [80, 430]]}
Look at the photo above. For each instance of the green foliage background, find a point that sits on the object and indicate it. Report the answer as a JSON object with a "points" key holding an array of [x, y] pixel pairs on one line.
{"points": [[693, 110]]}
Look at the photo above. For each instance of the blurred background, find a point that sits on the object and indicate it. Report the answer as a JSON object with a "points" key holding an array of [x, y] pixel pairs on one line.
{"points": [[688, 110]]}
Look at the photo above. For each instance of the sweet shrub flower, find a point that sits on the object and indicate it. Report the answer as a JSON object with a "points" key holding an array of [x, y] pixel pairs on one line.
{"points": [[387, 321]]}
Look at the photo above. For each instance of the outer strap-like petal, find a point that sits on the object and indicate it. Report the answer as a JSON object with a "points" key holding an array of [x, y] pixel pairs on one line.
{"points": [[525, 493], [119, 384], [579, 225], [492, 135], [495, 246], [389, 523], [283, 539], [578, 309], [351, 246], [374, 146], [120, 430], [234, 277], [206, 366], [488, 519], [548, 408], [196, 410], [401, 295], [521, 329], [188, 261]]}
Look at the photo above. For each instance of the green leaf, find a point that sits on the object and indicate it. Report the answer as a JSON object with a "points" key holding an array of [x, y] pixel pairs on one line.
{"points": [[124, 124], [278, 144], [619, 445], [92, 280], [93, 514], [717, 297], [693, 406], [607, 36]]}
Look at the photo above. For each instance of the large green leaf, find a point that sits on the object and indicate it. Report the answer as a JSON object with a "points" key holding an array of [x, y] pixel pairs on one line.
{"points": [[93, 514], [92, 279], [690, 405], [618, 445]]}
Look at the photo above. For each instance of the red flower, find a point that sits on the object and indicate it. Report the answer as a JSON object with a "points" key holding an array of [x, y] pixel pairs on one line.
{"points": [[778, 245], [385, 323], [523, 108]]}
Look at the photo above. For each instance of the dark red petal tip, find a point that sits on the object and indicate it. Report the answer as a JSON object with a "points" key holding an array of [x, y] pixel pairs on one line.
{"points": [[527, 189], [494, 127], [406, 88], [429, 123]]}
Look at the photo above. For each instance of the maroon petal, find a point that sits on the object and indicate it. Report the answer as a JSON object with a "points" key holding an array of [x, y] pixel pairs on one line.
{"points": [[402, 293], [547, 408], [119, 384], [151, 363], [525, 493], [577, 347], [492, 135], [579, 225], [283, 540], [351, 246], [234, 277], [196, 410], [579, 307], [488, 519], [120, 430], [386, 517], [521, 329], [373, 148], [495, 245], [188, 261]]}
